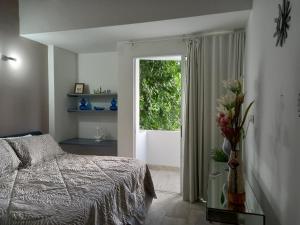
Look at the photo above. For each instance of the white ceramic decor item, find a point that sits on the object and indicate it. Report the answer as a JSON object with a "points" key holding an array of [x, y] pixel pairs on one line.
{"points": [[226, 147], [99, 134]]}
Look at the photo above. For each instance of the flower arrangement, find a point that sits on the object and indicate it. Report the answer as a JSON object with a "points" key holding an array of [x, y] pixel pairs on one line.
{"points": [[230, 119]]}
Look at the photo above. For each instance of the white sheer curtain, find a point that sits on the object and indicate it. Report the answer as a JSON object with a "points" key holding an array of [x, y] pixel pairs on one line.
{"points": [[210, 60]]}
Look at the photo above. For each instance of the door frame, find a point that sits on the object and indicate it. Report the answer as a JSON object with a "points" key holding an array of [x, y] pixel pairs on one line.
{"points": [[136, 77]]}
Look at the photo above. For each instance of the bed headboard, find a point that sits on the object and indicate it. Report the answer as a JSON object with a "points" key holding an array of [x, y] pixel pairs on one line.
{"points": [[33, 133]]}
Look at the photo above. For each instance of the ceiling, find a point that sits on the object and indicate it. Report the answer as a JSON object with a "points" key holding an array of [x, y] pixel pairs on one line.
{"points": [[104, 39]]}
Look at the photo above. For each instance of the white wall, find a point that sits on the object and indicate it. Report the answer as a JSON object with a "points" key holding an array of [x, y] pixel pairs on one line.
{"points": [[140, 135], [126, 55], [62, 72], [38, 16], [163, 148], [98, 69], [159, 147], [23, 84], [272, 144], [141, 145]]}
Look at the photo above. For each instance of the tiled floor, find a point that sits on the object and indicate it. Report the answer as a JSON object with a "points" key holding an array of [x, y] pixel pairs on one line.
{"points": [[169, 208], [166, 180]]}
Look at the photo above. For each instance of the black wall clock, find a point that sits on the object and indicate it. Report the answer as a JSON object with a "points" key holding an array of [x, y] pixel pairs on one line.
{"points": [[282, 22]]}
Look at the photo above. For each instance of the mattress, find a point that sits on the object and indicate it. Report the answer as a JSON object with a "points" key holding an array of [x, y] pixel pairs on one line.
{"points": [[73, 189]]}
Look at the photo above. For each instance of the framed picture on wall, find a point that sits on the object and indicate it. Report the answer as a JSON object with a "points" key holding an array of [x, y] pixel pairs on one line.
{"points": [[79, 88]]}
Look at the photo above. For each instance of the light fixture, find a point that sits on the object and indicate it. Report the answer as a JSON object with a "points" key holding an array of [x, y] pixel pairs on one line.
{"points": [[6, 58]]}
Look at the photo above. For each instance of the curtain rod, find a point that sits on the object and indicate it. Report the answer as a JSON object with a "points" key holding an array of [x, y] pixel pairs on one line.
{"points": [[183, 37]]}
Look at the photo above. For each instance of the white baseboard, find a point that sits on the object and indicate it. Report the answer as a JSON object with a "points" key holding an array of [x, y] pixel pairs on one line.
{"points": [[163, 167]]}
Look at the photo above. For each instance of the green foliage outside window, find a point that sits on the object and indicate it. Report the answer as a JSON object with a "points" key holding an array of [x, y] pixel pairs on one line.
{"points": [[160, 94]]}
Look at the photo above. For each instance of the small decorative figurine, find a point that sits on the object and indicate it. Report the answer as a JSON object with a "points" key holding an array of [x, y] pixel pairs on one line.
{"points": [[100, 134], [85, 105], [98, 91], [113, 106]]}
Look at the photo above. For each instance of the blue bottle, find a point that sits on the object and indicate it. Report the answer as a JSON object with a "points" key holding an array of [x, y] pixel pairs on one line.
{"points": [[83, 104], [113, 106]]}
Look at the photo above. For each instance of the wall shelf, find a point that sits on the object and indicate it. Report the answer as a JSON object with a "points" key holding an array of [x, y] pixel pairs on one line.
{"points": [[102, 98], [90, 111], [93, 95]]}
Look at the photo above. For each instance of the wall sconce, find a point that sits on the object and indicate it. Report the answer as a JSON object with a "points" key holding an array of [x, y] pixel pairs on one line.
{"points": [[6, 58]]}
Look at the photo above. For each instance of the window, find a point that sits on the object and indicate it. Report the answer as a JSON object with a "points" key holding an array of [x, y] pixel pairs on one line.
{"points": [[160, 94]]}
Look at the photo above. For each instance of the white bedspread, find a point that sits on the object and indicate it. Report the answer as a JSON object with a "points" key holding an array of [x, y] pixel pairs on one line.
{"points": [[73, 189]]}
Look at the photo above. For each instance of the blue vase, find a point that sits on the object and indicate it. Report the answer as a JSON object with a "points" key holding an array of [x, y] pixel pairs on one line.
{"points": [[83, 104], [113, 106]]}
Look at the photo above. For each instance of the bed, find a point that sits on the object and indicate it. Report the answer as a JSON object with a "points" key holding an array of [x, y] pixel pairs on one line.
{"points": [[61, 188]]}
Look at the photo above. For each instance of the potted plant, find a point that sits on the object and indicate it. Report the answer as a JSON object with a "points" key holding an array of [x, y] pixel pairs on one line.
{"points": [[219, 155], [230, 120], [220, 160]]}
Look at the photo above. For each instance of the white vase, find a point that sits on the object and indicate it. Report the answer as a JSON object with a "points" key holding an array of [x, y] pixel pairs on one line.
{"points": [[226, 147]]}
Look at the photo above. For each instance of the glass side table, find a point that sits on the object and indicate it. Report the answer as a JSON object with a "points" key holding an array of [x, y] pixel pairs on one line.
{"points": [[217, 207]]}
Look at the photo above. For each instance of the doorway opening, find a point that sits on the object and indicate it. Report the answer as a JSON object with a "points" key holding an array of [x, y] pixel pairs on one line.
{"points": [[158, 111]]}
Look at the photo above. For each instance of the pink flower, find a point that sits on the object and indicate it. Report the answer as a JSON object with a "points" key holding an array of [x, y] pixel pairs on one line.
{"points": [[230, 119], [227, 132], [224, 121]]}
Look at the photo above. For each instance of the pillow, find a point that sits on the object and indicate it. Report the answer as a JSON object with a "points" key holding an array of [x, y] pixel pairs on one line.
{"points": [[8, 158], [6, 138], [32, 150]]}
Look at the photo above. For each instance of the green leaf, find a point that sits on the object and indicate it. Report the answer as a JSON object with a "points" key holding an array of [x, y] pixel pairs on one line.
{"points": [[246, 113]]}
